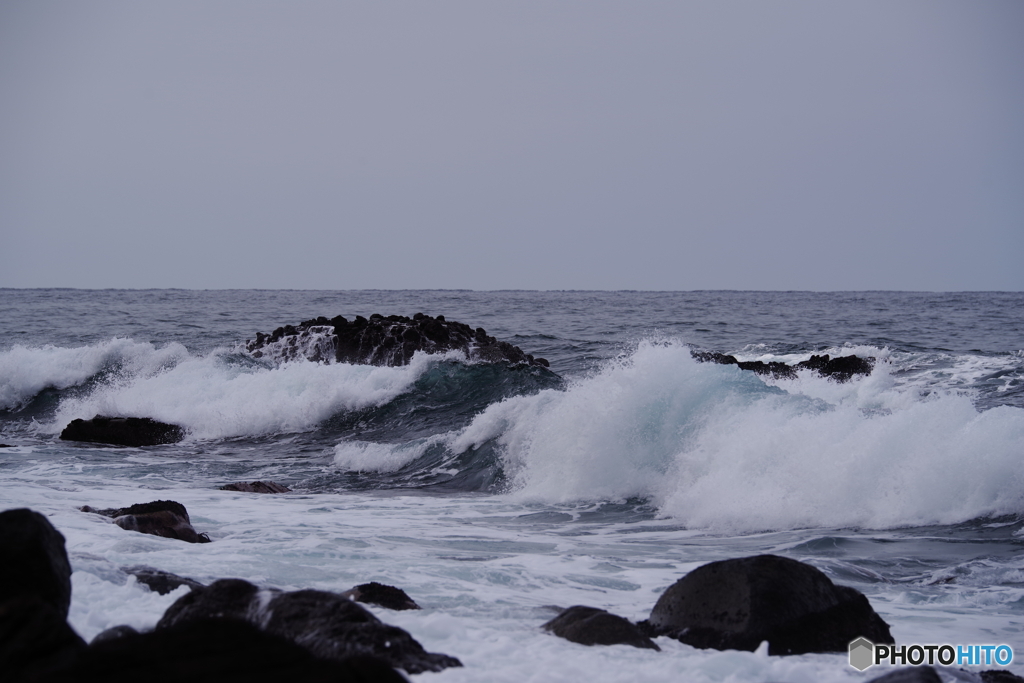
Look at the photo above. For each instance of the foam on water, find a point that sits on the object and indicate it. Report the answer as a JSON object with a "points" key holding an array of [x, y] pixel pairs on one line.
{"points": [[217, 395], [717, 447]]}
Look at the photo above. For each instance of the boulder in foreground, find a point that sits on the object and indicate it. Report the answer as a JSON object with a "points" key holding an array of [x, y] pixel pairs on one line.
{"points": [[737, 604], [329, 625], [122, 431]]}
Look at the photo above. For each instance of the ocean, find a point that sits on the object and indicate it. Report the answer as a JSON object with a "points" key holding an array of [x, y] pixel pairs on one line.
{"points": [[493, 494]]}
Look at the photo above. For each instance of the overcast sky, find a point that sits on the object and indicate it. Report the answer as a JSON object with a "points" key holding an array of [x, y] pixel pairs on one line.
{"points": [[528, 145]]}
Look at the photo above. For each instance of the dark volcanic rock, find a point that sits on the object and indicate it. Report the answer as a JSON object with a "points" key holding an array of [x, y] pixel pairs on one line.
{"points": [[35, 562], [1000, 676], [383, 341], [165, 518], [592, 626], [122, 431], [327, 624], [374, 593], [159, 581], [737, 604], [256, 487], [841, 369], [215, 650]]}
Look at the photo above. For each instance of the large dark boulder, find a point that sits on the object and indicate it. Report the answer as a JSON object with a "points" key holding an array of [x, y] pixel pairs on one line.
{"points": [[841, 369], [35, 639], [380, 340], [122, 431], [214, 651], [165, 518], [329, 625], [737, 604], [35, 562], [593, 626]]}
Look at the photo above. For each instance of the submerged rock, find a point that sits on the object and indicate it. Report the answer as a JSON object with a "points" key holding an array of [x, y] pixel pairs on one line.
{"points": [[159, 581], [165, 518], [329, 625], [737, 604], [910, 674], [380, 340], [374, 593], [593, 626], [122, 431], [256, 487], [841, 369]]}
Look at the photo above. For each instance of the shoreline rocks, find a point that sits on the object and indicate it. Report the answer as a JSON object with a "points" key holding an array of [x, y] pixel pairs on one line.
{"points": [[166, 518], [256, 487], [737, 604], [122, 431], [380, 340], [593, 626]]}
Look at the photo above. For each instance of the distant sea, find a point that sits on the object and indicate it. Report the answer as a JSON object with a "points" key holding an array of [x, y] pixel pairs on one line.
{"points": [[491, 493]]}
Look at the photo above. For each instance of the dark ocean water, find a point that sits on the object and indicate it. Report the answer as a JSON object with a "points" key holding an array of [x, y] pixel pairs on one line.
{"points": [[599, 480]]}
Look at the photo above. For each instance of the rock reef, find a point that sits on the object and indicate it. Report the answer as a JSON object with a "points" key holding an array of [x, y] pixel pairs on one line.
{"points": [[380, 340]]}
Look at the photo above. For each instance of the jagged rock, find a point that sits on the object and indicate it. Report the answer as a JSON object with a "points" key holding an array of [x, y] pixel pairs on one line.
{"points": [[256, 487], [159, 581], [122, 431], [593, 626], [374, 593], [215, 651], [737, 604], [329, 625], [841, 369], [1000, 676], [910, 674], [35, 562], [165, 518], [380, 340]]}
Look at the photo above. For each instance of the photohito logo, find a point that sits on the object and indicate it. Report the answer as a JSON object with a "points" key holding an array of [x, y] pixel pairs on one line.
{"points": [[864, 653]]}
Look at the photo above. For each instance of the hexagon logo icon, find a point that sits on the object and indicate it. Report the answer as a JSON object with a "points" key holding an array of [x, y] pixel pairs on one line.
{"points": [[862, 654]]}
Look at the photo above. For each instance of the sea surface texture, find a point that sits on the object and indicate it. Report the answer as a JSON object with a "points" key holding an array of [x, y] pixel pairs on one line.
{"points": [[491, 493]]}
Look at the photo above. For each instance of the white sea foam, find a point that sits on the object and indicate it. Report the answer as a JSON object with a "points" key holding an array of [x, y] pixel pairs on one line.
{"points": [[25, 371], [717, 447], [365, 456], [214, 398]]}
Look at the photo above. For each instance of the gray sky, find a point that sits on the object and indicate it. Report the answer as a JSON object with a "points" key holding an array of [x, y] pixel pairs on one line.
{"points": [[533, 145]]}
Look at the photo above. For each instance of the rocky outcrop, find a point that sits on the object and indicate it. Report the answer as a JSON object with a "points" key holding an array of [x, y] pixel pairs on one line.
{"points": [[256, 487], [122, 431], [841, 369], [738, 604], [382, 595], [329, 625], [165, 518], [593, 626], [380, 340]]}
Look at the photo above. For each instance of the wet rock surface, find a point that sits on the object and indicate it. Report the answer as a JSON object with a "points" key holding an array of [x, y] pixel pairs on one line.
{"points": [[35, 562], [593, 626], [329, 625], [380, 340], [382, 595], [166, 518], [122, 431], [159, 581], [737, 604]]}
